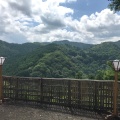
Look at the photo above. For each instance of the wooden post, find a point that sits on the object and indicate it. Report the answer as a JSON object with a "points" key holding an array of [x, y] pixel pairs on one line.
{"points": [[115, 92], [1, 85]]}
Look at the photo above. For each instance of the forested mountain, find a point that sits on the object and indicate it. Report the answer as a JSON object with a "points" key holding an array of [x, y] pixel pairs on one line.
{"points": [[15, 49], [75, 44], [117, 43], [59, 60]]}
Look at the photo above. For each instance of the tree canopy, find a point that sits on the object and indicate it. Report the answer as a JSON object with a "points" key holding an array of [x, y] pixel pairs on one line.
{"points": [[60, 60], [114, 5]]}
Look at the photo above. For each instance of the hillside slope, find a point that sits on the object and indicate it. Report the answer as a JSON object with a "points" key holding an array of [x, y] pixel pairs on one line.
{"points": [[57, 60]]}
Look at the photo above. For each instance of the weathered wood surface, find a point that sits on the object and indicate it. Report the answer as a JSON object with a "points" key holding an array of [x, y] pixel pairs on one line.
{"points": [[84, 94]]}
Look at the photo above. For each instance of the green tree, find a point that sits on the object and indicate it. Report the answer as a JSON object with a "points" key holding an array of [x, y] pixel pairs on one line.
{"points": [[91, 76], [65, 72], [79, 75], [99, 75], [114, 5], [108, 75]]}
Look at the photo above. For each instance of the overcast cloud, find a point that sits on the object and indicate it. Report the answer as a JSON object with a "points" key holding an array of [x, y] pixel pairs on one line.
{"points": [[47, 20]]}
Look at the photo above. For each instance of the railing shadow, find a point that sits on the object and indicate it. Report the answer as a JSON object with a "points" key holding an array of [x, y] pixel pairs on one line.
{"points": [[94, 115]]}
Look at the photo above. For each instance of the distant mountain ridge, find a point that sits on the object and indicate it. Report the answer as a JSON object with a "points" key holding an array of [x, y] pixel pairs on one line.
{"points": [[76, 44], [57, 59], [12, 48], [117, 43], [32, 46]]}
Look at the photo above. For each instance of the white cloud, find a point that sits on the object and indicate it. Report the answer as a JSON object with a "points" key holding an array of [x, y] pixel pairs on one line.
{"points": [[69, 1], [41, 21]]}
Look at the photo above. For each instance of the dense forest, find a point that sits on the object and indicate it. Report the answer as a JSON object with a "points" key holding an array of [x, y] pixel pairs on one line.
{"points": [[61, 59]]}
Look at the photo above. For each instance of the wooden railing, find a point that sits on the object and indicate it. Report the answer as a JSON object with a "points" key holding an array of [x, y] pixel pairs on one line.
{"points": [[83, 94]]}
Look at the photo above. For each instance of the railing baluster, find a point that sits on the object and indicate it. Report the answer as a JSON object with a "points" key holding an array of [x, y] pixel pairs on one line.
{"points": [[41, 91], [89, 94], [16, 89], [69, 93]]}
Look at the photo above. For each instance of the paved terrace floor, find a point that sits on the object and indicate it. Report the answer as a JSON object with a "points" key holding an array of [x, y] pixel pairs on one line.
{"points": [[28, 112]]}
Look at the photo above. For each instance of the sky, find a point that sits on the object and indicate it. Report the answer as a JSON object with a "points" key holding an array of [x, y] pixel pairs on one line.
{"points": [[86, 21]]}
